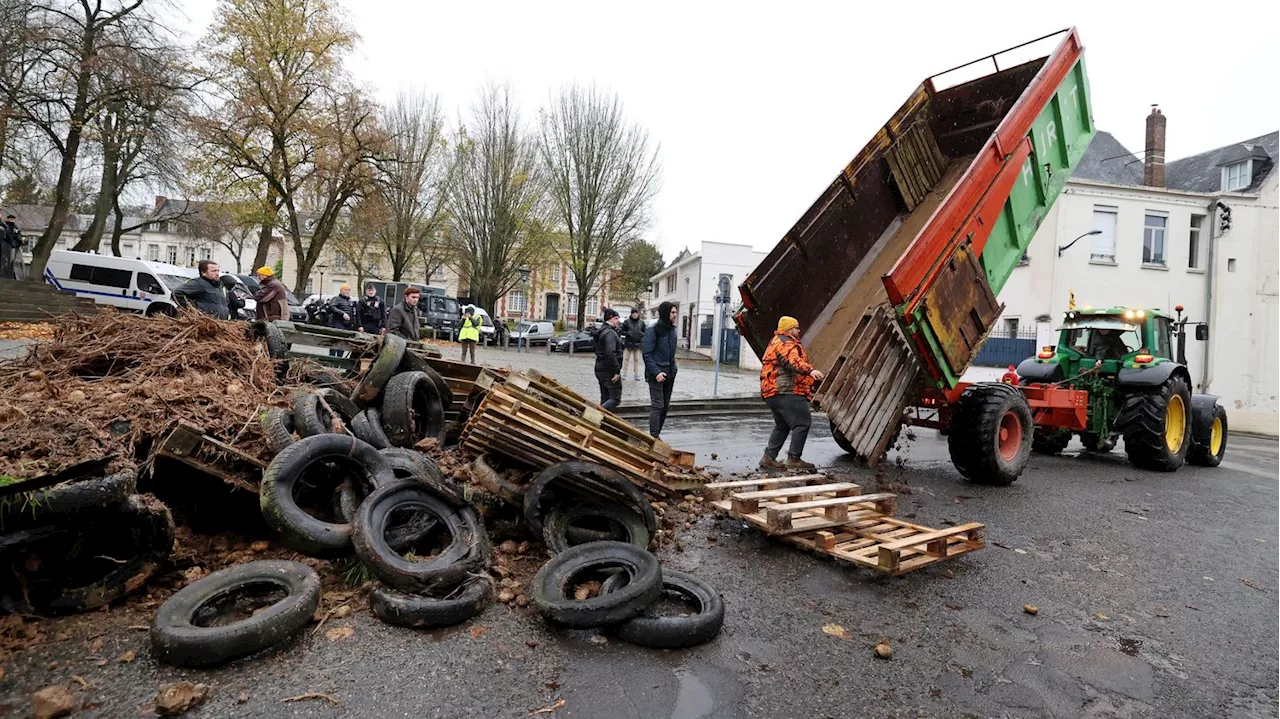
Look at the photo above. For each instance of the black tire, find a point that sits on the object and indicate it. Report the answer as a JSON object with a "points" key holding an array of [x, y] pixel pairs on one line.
{"points": [[1202, 451], [401, 537], [582, 481], [494, 483], [1050, 441], [984, 420], [300, 531], [626, 525], [414, 363], [411, 410], [177, 639], [311, 419], [41, 506], [407, 462], [468, 549], [1093, 443], [674, 632], [383, 368], [277, 427], [1143, 418], [367, 425], [277, 347], [552, 590], [841, 441], [424, 612], [148, 531]]}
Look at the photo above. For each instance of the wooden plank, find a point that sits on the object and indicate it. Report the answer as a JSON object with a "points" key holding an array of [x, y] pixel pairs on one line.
{"points": [[798, 491], [835, 509]]}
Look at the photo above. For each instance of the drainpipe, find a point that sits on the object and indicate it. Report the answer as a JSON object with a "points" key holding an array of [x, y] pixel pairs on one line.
{"points": [[1208, 297]]}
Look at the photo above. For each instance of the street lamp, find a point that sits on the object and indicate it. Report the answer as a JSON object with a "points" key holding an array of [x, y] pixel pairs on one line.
{"points": [[1067, 246], [524, 284]]}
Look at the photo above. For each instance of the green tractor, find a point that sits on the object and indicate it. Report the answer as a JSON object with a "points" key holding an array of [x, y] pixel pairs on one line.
{"points": [[1124, 359]]}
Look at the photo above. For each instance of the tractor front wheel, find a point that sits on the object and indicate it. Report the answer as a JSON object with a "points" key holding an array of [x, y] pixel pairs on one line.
{"points": [[991, 434], [1157, 426], [1209, 445]]}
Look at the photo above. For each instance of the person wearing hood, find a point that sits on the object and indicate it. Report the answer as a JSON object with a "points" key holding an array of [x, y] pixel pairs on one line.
{"points": [[609, 361], [371, 314], [659, 351], [786, 385], [632, 332], [272, 298]]}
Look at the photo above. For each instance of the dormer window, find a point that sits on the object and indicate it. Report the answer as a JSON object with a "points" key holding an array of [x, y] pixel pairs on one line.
{"points": [[1238, 176]]}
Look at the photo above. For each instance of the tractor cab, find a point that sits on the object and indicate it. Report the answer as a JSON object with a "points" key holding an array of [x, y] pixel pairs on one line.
{"points": [[1111, 339]]}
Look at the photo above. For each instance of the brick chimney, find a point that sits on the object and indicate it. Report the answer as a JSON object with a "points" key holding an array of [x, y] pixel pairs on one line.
{"points": [[1153, 169], [160, 200]]}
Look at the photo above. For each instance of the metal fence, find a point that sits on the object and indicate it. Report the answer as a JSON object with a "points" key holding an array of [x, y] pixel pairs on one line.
{"points": [[1003, 348]]}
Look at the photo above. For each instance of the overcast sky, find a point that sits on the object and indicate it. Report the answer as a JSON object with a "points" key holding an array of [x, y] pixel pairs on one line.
{"points": [[757, 111]]}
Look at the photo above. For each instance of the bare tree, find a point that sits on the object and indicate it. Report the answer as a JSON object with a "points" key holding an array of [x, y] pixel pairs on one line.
{"points": [[412, 184], [232, 225], [61, 93], [602, 175], [496, 202]]}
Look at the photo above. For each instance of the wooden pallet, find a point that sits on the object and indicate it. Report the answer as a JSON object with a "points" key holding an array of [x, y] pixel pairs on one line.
{"points": [[834, 518]]}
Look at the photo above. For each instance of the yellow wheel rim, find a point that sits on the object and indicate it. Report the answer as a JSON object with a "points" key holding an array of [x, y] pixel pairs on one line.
{"points": [[1215, 438], [1175, 423]]}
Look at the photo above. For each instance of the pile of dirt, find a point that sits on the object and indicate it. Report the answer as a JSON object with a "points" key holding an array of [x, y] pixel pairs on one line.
{"points": [[108, 383], [26, 330]]}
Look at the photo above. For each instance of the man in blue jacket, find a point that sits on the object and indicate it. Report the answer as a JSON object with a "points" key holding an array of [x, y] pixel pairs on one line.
{"points": [[659, 351]]}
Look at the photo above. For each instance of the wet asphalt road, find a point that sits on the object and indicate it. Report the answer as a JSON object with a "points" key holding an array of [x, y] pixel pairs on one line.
{"points": [[1157, 597]]}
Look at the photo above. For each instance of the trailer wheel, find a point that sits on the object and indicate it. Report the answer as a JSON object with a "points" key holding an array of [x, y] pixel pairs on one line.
{"points": [[1050, 441], [842, 440], [991, 434], [1208, 447], [1157, 426]]}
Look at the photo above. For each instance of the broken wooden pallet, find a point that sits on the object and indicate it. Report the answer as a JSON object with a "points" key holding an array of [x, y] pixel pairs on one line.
{"points": [[815, 512]]}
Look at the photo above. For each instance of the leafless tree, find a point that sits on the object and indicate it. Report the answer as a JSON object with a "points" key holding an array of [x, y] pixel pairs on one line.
{"points": [[496, 203], [602, 174]]}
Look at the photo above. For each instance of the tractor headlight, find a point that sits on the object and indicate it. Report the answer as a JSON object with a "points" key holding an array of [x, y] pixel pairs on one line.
{"points": [[1128, 314], [1142, 314]]}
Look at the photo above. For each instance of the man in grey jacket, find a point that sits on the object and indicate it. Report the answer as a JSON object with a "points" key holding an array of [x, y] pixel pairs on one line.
{"points": [[402, 320], [609, 361]]}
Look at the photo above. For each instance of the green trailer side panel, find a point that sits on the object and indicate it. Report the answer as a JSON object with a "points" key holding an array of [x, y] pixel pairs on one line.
{"points": [[1059, 138]]}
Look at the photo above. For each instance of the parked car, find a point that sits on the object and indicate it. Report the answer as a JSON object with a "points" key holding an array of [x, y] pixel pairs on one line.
{"points": [[297, 313], [123, 282], [581, 342], [532, 333]]}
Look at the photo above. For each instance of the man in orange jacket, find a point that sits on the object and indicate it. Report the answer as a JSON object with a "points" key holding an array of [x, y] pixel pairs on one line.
{"points": [[786, 384]]}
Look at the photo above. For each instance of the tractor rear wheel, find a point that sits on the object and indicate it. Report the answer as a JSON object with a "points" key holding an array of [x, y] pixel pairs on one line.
{"points": [[1209, 446], [1157, 426], [1050, 441], [991, 434]]}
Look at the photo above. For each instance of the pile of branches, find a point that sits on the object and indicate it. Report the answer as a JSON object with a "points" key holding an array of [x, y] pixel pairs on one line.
{"points": [[113, 383]]}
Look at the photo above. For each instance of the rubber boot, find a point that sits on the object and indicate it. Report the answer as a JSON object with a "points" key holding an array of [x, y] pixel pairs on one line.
{"points": [[797, 463], [767, 462]]}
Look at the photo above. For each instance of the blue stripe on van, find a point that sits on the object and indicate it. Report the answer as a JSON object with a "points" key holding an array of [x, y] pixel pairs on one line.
{"points": [[48, 277]]}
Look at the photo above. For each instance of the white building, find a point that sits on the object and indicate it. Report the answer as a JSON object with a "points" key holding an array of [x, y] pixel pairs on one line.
{"points": [[691, 282], [1200, 232]]}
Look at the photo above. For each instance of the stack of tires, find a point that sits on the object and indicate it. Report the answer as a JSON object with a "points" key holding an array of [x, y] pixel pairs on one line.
{"points": [[79, 546]]}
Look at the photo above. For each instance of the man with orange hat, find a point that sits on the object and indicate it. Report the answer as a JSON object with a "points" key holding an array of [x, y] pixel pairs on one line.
{"points": [[786, 384], [272, 299]]}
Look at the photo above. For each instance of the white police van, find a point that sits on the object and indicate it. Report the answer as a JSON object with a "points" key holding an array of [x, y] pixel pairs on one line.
{"points": [[123, 282]]}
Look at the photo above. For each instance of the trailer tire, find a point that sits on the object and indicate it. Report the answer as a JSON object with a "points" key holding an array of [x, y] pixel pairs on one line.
{"points": [[991, 434], [1149, 420], [468, 549], [277, 427], [842, 441], [1050, 441], [418, 611], [311, 419], [176, 638], [367, 425], [674, 632], [627, 523], [552, 591], [1209, 447], [384, 367], [412, 409], [300, 531]]}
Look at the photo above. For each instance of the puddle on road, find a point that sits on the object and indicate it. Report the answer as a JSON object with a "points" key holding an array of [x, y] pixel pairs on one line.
{"points": [[1130, 646], [694, 699]]}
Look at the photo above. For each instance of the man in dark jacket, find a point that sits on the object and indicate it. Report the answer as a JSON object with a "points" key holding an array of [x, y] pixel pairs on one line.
{"points": [[272, 298], [205, 292], [659, 350], [402, 320], [10, 248], [609, 361], [632, 335], [371, 315], [235, 303], [342, 314]]}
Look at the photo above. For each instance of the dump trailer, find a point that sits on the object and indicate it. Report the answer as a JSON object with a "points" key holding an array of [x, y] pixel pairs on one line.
{"points": [[893, 272]]}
